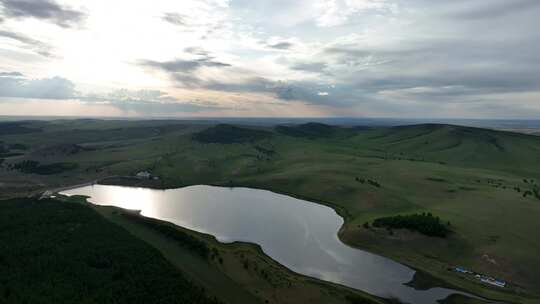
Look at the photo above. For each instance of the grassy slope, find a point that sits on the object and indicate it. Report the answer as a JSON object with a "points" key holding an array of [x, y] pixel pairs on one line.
{"points": [[481, 216], [193, 266], [324, 169], [242, 273]]}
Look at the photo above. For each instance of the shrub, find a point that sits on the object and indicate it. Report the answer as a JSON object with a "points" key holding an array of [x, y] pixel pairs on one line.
{"points": [[374, 183]]}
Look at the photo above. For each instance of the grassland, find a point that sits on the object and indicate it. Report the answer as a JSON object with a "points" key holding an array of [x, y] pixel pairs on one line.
{"points": [[467, 176]]}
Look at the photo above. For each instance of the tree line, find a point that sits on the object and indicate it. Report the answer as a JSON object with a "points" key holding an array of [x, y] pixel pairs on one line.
{"points": [[184, 239], [424, 223]]}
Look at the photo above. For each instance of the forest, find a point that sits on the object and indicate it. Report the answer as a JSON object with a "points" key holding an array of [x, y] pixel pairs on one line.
{"points": [[43, 260]]}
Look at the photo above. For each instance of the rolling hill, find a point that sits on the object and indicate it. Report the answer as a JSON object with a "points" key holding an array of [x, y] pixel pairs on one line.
{"points": [[482, 181]]}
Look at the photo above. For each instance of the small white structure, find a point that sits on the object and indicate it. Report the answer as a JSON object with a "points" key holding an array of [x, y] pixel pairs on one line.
{"points": [[143, 175], [493, 281], [462, 270], [46, 194], [481, 277]]}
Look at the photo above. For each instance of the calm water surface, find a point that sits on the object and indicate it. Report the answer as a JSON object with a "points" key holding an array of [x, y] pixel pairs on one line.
{"points": [[298, 234]]}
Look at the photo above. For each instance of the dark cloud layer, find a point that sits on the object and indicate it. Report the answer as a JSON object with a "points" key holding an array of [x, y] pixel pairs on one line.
{"points": [[281, 45], [306, 91], [182, 66], [183, 71], [47, 10]]}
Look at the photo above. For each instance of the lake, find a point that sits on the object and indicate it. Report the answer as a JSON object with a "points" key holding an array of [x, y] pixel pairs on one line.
{"points": [[298, 234]]}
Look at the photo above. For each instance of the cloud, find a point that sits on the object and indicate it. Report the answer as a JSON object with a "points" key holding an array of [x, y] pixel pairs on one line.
{"points": [[203, 19], [339, 12], [144, 102], [281, 45], [419, 58], [304, 91], [313, 93], [153, 108], [277, 43], [149, 102], [175, 19], [313, 67], [495, 9], [11, 74], [198, 51], [45, 88], [47, 10], [139, 95], [184, 71], [183, 66], [173, 66], [37, 46], [321, 13]]}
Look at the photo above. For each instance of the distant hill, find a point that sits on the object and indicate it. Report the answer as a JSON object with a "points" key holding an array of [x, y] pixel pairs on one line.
{"points": [[229, 134], [314, 130], [468, 145], [8, 128], [60, 150]]}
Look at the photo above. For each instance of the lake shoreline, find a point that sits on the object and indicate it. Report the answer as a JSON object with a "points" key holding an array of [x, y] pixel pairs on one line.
{"points": [[308, 200], [341, 211]]}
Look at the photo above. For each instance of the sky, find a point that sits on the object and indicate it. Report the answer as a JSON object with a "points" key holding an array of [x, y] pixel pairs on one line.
{"points": [[271, 58]]}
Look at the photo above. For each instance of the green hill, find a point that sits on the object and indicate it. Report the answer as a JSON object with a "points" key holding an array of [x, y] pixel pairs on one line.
{"points": [[8, 128], [459, 145], [315, 130], [228, 134]]}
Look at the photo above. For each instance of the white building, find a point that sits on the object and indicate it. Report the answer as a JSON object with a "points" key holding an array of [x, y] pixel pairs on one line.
{"points": [[144, 175]]}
